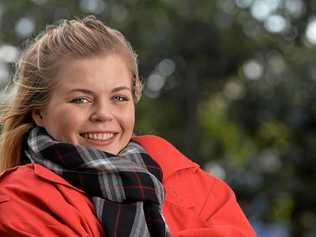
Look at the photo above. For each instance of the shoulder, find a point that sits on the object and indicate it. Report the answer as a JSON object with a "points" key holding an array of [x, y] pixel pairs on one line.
{"points": [[153, 142], [158, 146], [29, 176], [37, 202], [20, 174], [19, 198], [185, 172], [22, 182], [194, 197], [167, 155], [33, 180]]}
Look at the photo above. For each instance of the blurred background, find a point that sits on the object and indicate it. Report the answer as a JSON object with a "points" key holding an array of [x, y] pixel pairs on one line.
{"points": [[231, 83]]}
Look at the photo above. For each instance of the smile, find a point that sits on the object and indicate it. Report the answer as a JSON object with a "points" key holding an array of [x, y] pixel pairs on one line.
{"points": [[98, 136]]}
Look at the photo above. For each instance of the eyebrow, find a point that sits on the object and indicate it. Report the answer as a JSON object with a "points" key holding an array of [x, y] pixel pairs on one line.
{"points": [[82, 90], [116, 89]]}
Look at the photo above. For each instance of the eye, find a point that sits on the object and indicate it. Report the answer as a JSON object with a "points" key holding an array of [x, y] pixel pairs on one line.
{"points": [[80, 100], [120, 98]]}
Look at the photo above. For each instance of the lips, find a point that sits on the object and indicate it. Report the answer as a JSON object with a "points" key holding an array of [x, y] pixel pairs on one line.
{"points": [[100, 136]]}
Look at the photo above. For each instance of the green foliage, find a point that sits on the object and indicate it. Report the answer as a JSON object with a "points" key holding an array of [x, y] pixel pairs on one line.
{"points": [[230, 89]]}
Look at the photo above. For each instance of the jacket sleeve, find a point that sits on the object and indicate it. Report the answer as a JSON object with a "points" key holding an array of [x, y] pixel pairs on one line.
{"points": [[196, 203], [221, 210], [29, 218], [206, 205], [31, 207]]}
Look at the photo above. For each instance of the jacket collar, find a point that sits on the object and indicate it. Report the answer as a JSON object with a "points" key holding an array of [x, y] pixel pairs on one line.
{"points": [[49, 175], [41, 172], [165, 154]]}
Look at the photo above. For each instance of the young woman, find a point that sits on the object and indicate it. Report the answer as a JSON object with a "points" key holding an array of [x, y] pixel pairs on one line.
{"points": [[70, 163]]}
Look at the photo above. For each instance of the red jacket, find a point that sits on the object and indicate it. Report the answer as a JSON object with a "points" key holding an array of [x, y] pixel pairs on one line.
{"points": [[34, 201]]}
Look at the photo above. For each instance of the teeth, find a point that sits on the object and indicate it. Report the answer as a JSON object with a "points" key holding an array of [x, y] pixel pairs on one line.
{"points": [[98, 136]]}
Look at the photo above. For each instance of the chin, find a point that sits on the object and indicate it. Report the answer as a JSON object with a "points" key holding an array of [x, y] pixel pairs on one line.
{"points": [[112, 151]]}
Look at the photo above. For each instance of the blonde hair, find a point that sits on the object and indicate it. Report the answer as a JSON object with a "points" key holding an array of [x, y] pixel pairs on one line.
{"points": [[78, 38]]}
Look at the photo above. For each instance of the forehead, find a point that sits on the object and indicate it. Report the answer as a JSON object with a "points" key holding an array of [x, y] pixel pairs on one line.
{"points": [[94, 72]]}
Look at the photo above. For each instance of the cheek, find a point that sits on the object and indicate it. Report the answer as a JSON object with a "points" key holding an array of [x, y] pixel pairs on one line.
{"points": [[63, 124], [130, 121], [59, 129], [126, 120]]}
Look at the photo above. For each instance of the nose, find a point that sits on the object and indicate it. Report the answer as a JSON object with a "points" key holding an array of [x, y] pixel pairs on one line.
{"points": [[101, 113]]}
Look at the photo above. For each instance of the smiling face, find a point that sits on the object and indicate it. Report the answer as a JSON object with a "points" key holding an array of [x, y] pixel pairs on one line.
{"points": [[92, 104]]}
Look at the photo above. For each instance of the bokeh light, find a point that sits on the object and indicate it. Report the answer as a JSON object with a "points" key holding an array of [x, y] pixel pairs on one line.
{"points": [[25, 27], [215, 169], [295, 7], [92, 6], [166, 67], [4, 73], [8, 53], [243, 3], [275, 24], [311, 31], [253, 70], [233, 90], [261, 9]]}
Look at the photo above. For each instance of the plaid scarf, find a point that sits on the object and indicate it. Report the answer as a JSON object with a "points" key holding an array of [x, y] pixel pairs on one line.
{"points": [[126, 188]]}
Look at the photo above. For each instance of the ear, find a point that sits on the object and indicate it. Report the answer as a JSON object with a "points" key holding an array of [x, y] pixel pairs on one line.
{"points": [[38, 118]]}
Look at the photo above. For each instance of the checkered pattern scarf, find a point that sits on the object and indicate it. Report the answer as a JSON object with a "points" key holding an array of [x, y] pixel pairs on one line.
{"points": [[126, 188]]}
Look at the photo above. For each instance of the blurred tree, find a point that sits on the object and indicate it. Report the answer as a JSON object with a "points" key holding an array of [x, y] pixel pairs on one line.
{"points": [[231, 83]]}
